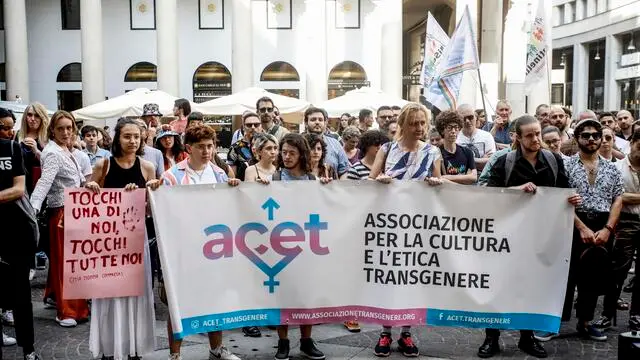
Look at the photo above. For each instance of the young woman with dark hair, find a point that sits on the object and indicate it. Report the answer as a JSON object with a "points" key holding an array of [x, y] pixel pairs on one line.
{"points": [[317, 154], [172, 149]]}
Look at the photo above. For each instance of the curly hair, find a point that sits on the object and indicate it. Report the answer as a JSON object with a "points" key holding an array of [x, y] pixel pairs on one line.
{"points": [[446, 118], [312, 140], [350, 132], [299, 142], [371, 138]]}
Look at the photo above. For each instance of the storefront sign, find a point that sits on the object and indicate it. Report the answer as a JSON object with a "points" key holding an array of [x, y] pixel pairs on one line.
{"points": [[630, 59]]}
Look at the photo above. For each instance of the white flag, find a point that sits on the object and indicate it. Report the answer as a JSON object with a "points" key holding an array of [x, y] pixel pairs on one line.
{"points": [[435, 43], [459, 56], [537, 49]]}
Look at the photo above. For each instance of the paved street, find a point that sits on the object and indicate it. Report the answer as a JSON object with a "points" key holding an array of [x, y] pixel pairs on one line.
{"points": [[57, 343]]}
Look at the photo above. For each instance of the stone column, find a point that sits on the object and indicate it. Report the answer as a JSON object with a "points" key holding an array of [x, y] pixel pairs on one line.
{"points": [[391, 47], [241, 48], [92, 52], [17, 54], [315, 68], [167, 46], [612, 54], [580, 77], [491, 50]]}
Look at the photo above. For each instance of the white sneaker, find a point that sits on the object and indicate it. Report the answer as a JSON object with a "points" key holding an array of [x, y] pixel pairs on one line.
{"points": [[32, 273], [222, 353], [67, 322], [32, 356], [7, 340], [175, 356], [7, 318]]}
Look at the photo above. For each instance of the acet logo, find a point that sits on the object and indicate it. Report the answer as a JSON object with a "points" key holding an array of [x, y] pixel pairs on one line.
{"points": [[281, 239]]}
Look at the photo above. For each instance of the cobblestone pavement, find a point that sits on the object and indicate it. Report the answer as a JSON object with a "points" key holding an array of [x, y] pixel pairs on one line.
{"points": [[56, 343]]}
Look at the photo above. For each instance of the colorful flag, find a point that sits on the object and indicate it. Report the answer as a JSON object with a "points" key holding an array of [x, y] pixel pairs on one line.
{"points": [[459, 56], [537, 49], [435, 43]]}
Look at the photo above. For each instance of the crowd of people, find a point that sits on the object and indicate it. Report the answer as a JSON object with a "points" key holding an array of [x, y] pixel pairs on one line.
{"points": [[598, 155]]}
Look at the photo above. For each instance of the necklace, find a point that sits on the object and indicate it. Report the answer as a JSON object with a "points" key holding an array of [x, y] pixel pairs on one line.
{"points": [[199, 174], [592, 171]]}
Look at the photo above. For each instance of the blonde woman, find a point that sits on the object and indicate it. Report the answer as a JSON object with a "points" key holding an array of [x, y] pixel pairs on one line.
{"points": [[33, 139], [408, 157]]}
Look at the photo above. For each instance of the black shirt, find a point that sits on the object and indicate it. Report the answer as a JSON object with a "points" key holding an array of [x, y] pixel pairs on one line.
{"points": [[10, 167], [523, 172], [458, 163]]}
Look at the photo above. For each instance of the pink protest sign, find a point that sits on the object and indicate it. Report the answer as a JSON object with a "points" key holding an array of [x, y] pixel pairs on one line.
{"points": [[103, 243]]}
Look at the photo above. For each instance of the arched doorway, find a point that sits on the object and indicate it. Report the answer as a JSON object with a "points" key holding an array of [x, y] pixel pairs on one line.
{"points": [[346, 76], [142, 72], [211, 80], [286, 76], [70, 87]]}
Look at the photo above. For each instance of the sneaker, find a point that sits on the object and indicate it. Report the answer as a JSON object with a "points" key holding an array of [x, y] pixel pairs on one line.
{"points": [[49, 303], [175, 356], [383, 347], [221, 352], [406, 345], [32, 356], [622, 304], [67, 322], [309, 350], [283, 350], [352, 326], [41, 261], [544, 336], [591, 333], [7, 318], [32, 274], [634, 322], [8, 340], [602, 324]]}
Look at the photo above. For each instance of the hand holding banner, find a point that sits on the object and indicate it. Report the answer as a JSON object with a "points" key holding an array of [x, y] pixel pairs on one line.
{"points": [[104, 238]]}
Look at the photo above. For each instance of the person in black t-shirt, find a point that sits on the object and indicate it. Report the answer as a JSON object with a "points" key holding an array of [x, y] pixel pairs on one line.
{"points": [[17, 247], [458, 164]]}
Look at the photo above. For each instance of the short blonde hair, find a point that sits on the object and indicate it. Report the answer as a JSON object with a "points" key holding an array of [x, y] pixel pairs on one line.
{"points": [[41, 111], [407, 117]]}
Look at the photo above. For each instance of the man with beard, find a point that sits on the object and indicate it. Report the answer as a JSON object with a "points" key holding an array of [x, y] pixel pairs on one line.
{"points": [[542, 115], [601, 187], [267, 111], [558, 118], [627, 239], [530, 167], [625, 124], [315, 121]]}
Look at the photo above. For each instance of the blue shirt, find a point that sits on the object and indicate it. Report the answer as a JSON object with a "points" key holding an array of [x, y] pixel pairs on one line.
{"points": [[100, 154], [336, 157], [155, 157], [502, 136], [486, 171]]}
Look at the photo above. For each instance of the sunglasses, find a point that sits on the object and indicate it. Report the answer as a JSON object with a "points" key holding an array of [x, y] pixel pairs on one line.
{"points": [[252, 125], [469, 118], [266, 110], [589, 135]]}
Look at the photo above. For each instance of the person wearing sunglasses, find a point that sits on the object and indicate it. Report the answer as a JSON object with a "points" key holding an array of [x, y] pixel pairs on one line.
{"points": [[481, 142], [267, 112], [600, 185], [606, 150], [240, 155]]}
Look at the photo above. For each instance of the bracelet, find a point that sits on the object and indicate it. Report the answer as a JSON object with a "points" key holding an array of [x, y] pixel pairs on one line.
{"points": [[609, 228]]}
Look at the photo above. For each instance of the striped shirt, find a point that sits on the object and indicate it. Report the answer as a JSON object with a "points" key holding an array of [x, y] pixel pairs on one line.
{"points": [[358, 171]]}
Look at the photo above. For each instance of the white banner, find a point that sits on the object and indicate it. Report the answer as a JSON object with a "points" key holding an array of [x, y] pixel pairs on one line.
{"points": [[399, 254], [436, 41], [537, 49]]}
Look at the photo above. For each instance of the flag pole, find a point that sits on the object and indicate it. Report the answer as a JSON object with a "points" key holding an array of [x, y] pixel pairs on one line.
{"points": [[484, 105]]}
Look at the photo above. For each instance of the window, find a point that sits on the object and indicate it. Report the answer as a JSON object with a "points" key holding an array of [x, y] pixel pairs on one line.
{"points": [[70, 73], [279, 71], [70, 14], [142, 72], [211, 80], [1, 14], [557, 93]]}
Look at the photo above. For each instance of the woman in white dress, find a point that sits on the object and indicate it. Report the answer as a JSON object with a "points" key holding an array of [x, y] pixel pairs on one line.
{"points": [[124, 327]]}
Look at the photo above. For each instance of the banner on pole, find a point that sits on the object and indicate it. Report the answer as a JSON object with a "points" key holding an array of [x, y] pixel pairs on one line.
{"points": [[397, 254], [436, 41], [103, 243], [537, 49], [460, 55]]}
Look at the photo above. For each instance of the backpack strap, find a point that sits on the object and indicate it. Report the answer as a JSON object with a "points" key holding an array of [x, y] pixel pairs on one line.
{"points": [[553, 163], [509, 165], [274, 130]]}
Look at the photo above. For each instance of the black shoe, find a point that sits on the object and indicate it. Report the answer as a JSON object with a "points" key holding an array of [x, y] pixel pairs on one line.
{"points": [[603, 323], [532, 347], [634, 322], [490, 347], [383, 347], [283, 350], [629, 287], [406, 345], [309, 350], [251, 331]]}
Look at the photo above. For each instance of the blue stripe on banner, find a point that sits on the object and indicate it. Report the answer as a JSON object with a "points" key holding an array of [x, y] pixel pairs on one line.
{"points": [[230, 320], [516, 321]]}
